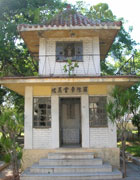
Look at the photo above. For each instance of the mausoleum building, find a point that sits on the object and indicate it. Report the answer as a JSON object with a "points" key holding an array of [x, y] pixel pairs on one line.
{"points": [[65, 104]]}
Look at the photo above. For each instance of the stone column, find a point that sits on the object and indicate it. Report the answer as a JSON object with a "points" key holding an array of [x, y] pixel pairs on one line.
{"points": [[85, 120], [55, 121], [112, 130], [28, 118]]}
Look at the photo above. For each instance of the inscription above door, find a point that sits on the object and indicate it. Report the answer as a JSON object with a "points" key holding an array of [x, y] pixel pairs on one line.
{"points": [[70, 90]]}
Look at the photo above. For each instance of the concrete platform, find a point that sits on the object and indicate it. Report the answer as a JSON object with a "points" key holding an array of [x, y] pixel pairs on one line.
{"points": [[70, 166]]}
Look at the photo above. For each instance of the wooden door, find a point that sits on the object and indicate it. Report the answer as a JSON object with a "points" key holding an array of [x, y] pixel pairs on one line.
{"points": [[70, 123]]}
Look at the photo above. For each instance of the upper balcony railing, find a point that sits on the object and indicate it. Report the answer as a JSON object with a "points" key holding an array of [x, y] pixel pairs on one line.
{"points": [[58, 65], [128, 67], [52, 65], [88, 65]]}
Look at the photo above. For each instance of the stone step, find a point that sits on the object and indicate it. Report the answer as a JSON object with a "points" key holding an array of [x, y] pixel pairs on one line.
{"points": [[71, 169], [78, 155], [70, 162], [115, 174]]}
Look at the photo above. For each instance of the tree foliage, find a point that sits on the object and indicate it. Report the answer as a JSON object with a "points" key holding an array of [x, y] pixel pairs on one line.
{"points": [[119, 110], [123, 44], [136, 121], [14, 56], [101, 12], [135, 106], [70, 67], [11, 125], [2, 95], [15, 59]]}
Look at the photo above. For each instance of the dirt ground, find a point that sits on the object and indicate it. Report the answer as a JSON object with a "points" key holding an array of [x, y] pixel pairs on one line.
{"points": [[6, 174]]}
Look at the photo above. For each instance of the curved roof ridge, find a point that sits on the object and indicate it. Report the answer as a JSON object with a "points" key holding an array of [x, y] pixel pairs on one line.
{"points": [[70, 17]]}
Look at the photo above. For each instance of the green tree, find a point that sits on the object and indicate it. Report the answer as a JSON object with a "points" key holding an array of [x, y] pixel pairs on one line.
{"points": [[11, 125], [15, 59], [14, 56], [136, 121], [70, 67], [137, 62], [101, 12], [119, 110], [135, 106], [2, 94], [123, 44], [81, 7]]}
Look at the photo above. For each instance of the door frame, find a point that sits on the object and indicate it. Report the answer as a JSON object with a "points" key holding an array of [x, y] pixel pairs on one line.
{"points": [[84, 120], [70, 97]]}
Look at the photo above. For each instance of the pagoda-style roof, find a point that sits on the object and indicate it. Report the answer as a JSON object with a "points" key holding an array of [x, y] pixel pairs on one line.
{"points": [[70, 23]]}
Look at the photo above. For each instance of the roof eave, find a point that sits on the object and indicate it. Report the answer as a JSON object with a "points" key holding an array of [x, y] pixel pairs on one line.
{"points": [[18, 84], [37, 79], [44, 28]]}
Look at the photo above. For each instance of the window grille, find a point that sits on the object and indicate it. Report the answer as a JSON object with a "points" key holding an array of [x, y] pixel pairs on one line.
{"points": [[97, 111], [69, 50], [42, 112]]}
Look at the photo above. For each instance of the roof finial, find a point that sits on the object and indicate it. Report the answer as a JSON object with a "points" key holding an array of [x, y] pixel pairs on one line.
{"points": [[68, 6]]}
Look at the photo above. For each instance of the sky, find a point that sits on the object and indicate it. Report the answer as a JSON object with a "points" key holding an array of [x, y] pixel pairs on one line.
{"points": [[128, 9]]}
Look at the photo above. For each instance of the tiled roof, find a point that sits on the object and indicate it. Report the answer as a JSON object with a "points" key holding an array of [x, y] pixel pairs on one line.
{"points": [[70, 18]]}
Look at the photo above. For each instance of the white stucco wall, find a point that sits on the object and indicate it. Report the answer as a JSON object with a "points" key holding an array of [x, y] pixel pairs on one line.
{"points": [[103, 137], [89, 66], [42, 138]]}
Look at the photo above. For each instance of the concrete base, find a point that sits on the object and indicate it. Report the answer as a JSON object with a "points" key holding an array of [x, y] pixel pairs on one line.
{"points": [[31, 156], [67, 166]]}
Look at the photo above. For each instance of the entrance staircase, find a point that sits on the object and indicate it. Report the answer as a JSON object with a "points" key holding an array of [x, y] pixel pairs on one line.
{"points": [[70, 166]]}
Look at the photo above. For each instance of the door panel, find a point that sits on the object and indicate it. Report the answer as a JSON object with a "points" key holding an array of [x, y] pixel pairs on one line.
{"points": [[70, 124]]}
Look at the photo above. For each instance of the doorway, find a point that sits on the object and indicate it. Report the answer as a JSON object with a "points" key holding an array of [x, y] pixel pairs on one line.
{"points": [[70, 122]]}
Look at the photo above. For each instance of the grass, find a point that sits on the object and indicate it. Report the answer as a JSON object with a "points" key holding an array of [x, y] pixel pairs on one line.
{"points": [[132, 147], [134, 150]]}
